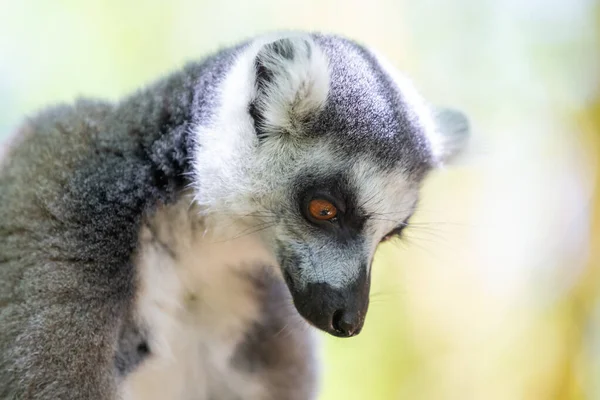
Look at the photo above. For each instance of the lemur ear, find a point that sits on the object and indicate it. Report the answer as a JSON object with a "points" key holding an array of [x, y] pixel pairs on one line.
{"points": [[292, 82], [453, 132]]}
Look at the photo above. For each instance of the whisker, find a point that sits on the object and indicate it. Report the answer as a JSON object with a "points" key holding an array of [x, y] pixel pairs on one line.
{"points": [[428, 236], [367, 201], [421, 247], [437, 223], [255, 229]]}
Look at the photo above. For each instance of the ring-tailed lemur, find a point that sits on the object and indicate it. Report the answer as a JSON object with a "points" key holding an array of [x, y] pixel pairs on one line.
{"points": [[165, 247]]}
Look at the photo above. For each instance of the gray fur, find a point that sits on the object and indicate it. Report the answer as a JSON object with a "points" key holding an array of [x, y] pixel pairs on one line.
{"points": [[72, 195], [133, 347], [81, 180], [384, 126], [455, 131], [277, 347]]}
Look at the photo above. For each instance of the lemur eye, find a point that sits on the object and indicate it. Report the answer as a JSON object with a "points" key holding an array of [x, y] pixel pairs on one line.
{"points": [[396, 233], [322, 210]]}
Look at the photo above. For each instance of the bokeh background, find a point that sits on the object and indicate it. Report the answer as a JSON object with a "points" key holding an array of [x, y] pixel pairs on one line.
{"points": [[495, 292]]}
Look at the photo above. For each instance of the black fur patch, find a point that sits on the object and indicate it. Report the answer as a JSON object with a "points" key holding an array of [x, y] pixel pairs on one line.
{"points": [[350, 219], [261, 349], [132, 350]]}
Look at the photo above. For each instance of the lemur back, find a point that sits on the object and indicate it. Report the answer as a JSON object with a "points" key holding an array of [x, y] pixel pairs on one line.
{"points": [[187, 241]]}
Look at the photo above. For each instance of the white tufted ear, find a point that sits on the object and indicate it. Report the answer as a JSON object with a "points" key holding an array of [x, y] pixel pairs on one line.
{"points": [[292, 81], [452, 131]]}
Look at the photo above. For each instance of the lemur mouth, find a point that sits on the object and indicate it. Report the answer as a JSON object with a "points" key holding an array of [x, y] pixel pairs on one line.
{"points": [[339, 312], [288, 279]]}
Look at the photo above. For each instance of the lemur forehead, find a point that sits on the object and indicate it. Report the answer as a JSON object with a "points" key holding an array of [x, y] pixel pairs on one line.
{"points": [[323, 85], [368, 112]]}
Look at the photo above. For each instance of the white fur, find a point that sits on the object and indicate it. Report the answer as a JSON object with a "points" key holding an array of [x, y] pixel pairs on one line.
{"points": [[421, 111], [299, 86], [388, 197], [226, 149], [197, 307]]}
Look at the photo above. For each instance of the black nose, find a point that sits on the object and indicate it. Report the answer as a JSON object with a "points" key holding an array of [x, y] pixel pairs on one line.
{"points": [[339, 311], [346, 324]]}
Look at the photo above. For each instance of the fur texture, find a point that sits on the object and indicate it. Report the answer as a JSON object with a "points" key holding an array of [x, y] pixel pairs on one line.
{"points": [[166, 241], [203, 301]]}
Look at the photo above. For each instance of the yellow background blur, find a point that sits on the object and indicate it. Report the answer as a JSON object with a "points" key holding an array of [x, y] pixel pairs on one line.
{"points": [[495, 293]]}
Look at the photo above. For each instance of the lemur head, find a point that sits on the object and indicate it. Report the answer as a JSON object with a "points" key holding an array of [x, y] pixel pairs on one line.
{"points": [[319, 145]]}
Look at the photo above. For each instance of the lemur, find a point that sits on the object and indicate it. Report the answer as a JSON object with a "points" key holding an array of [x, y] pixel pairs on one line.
{"points": [[185, 242]]}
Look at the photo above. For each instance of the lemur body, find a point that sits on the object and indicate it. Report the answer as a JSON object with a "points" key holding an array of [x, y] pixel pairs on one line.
{"points": [[218, 323], [175, 245]]}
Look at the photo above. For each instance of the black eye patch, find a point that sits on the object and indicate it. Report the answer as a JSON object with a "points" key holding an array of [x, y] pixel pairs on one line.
{"points": [[347, 222], [335, 189]]}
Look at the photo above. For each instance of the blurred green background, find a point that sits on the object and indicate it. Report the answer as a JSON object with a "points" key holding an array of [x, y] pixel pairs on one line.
{"points": [[495, 293]]}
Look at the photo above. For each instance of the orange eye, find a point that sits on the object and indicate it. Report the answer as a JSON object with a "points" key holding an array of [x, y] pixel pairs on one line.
{"points": [[322, 210]]}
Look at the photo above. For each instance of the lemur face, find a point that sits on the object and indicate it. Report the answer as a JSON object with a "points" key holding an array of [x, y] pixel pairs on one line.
{"points": [[331, 219], [322, 147]]}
